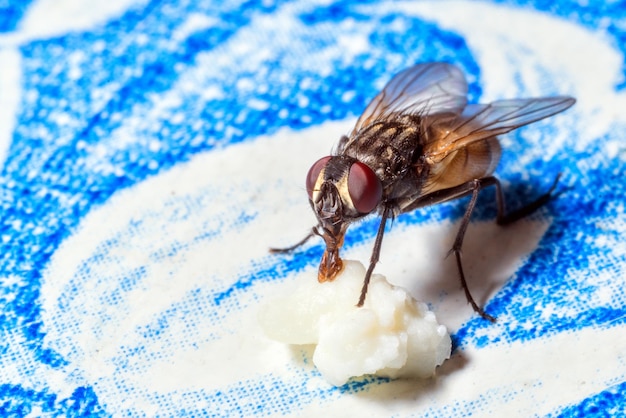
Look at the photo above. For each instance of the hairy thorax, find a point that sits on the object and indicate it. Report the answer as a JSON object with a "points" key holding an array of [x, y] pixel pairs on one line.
{"points": [[393, 149]]}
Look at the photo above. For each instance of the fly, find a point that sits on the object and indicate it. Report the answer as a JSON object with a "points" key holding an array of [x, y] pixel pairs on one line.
{"points": [[418, 143]]}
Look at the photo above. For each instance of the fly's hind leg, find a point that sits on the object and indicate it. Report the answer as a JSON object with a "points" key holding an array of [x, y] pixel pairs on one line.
{"points": [[505, 219], [474, 187]]}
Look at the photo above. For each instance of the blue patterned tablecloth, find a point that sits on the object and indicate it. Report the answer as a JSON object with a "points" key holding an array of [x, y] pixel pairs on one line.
{"points": [[152, 151]]}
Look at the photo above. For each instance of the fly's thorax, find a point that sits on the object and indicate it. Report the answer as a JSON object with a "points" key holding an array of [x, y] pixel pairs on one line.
{"points": [[391, 147]]}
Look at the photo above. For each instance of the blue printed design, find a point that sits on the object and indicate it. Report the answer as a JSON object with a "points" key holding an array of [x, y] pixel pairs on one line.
{"points": [[108, 108], [10, 14], [608, 403], [594, 15], [17, 401]]}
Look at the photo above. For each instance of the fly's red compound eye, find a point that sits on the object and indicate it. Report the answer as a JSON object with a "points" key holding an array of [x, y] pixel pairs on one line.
{"points": [[314, 173], [364, 187]]}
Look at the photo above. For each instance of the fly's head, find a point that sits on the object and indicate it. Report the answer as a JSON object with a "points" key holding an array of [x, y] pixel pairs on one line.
{"points": [[341, 190]]}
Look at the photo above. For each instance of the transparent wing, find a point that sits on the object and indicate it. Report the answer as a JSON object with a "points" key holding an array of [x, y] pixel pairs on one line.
{"points": [[478, 122], [424, 88]]}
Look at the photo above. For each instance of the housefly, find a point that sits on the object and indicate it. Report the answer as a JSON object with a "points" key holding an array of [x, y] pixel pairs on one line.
{"points": [[418, 143]]}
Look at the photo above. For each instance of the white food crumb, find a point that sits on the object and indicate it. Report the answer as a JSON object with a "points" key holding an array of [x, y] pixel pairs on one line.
{"points": [[392, 335]]}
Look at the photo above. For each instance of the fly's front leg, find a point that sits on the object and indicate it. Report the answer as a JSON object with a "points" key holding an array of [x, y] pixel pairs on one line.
{"points": [[375, 254], [296, 245]]}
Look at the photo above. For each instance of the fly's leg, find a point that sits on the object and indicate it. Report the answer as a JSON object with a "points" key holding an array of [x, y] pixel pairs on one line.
{"points": [[474, 187], [375, 254], [525, 210], [296, 245]]}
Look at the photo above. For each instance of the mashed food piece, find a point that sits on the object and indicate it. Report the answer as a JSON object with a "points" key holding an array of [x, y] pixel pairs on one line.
{"points": [[392, 335]]}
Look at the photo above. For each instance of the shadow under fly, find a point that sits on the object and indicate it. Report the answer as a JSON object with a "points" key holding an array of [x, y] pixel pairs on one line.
{"points": [[418, 143]]}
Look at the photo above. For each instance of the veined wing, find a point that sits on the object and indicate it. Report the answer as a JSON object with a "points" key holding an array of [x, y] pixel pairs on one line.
{"points": [[427, 89], [478, 122]]}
